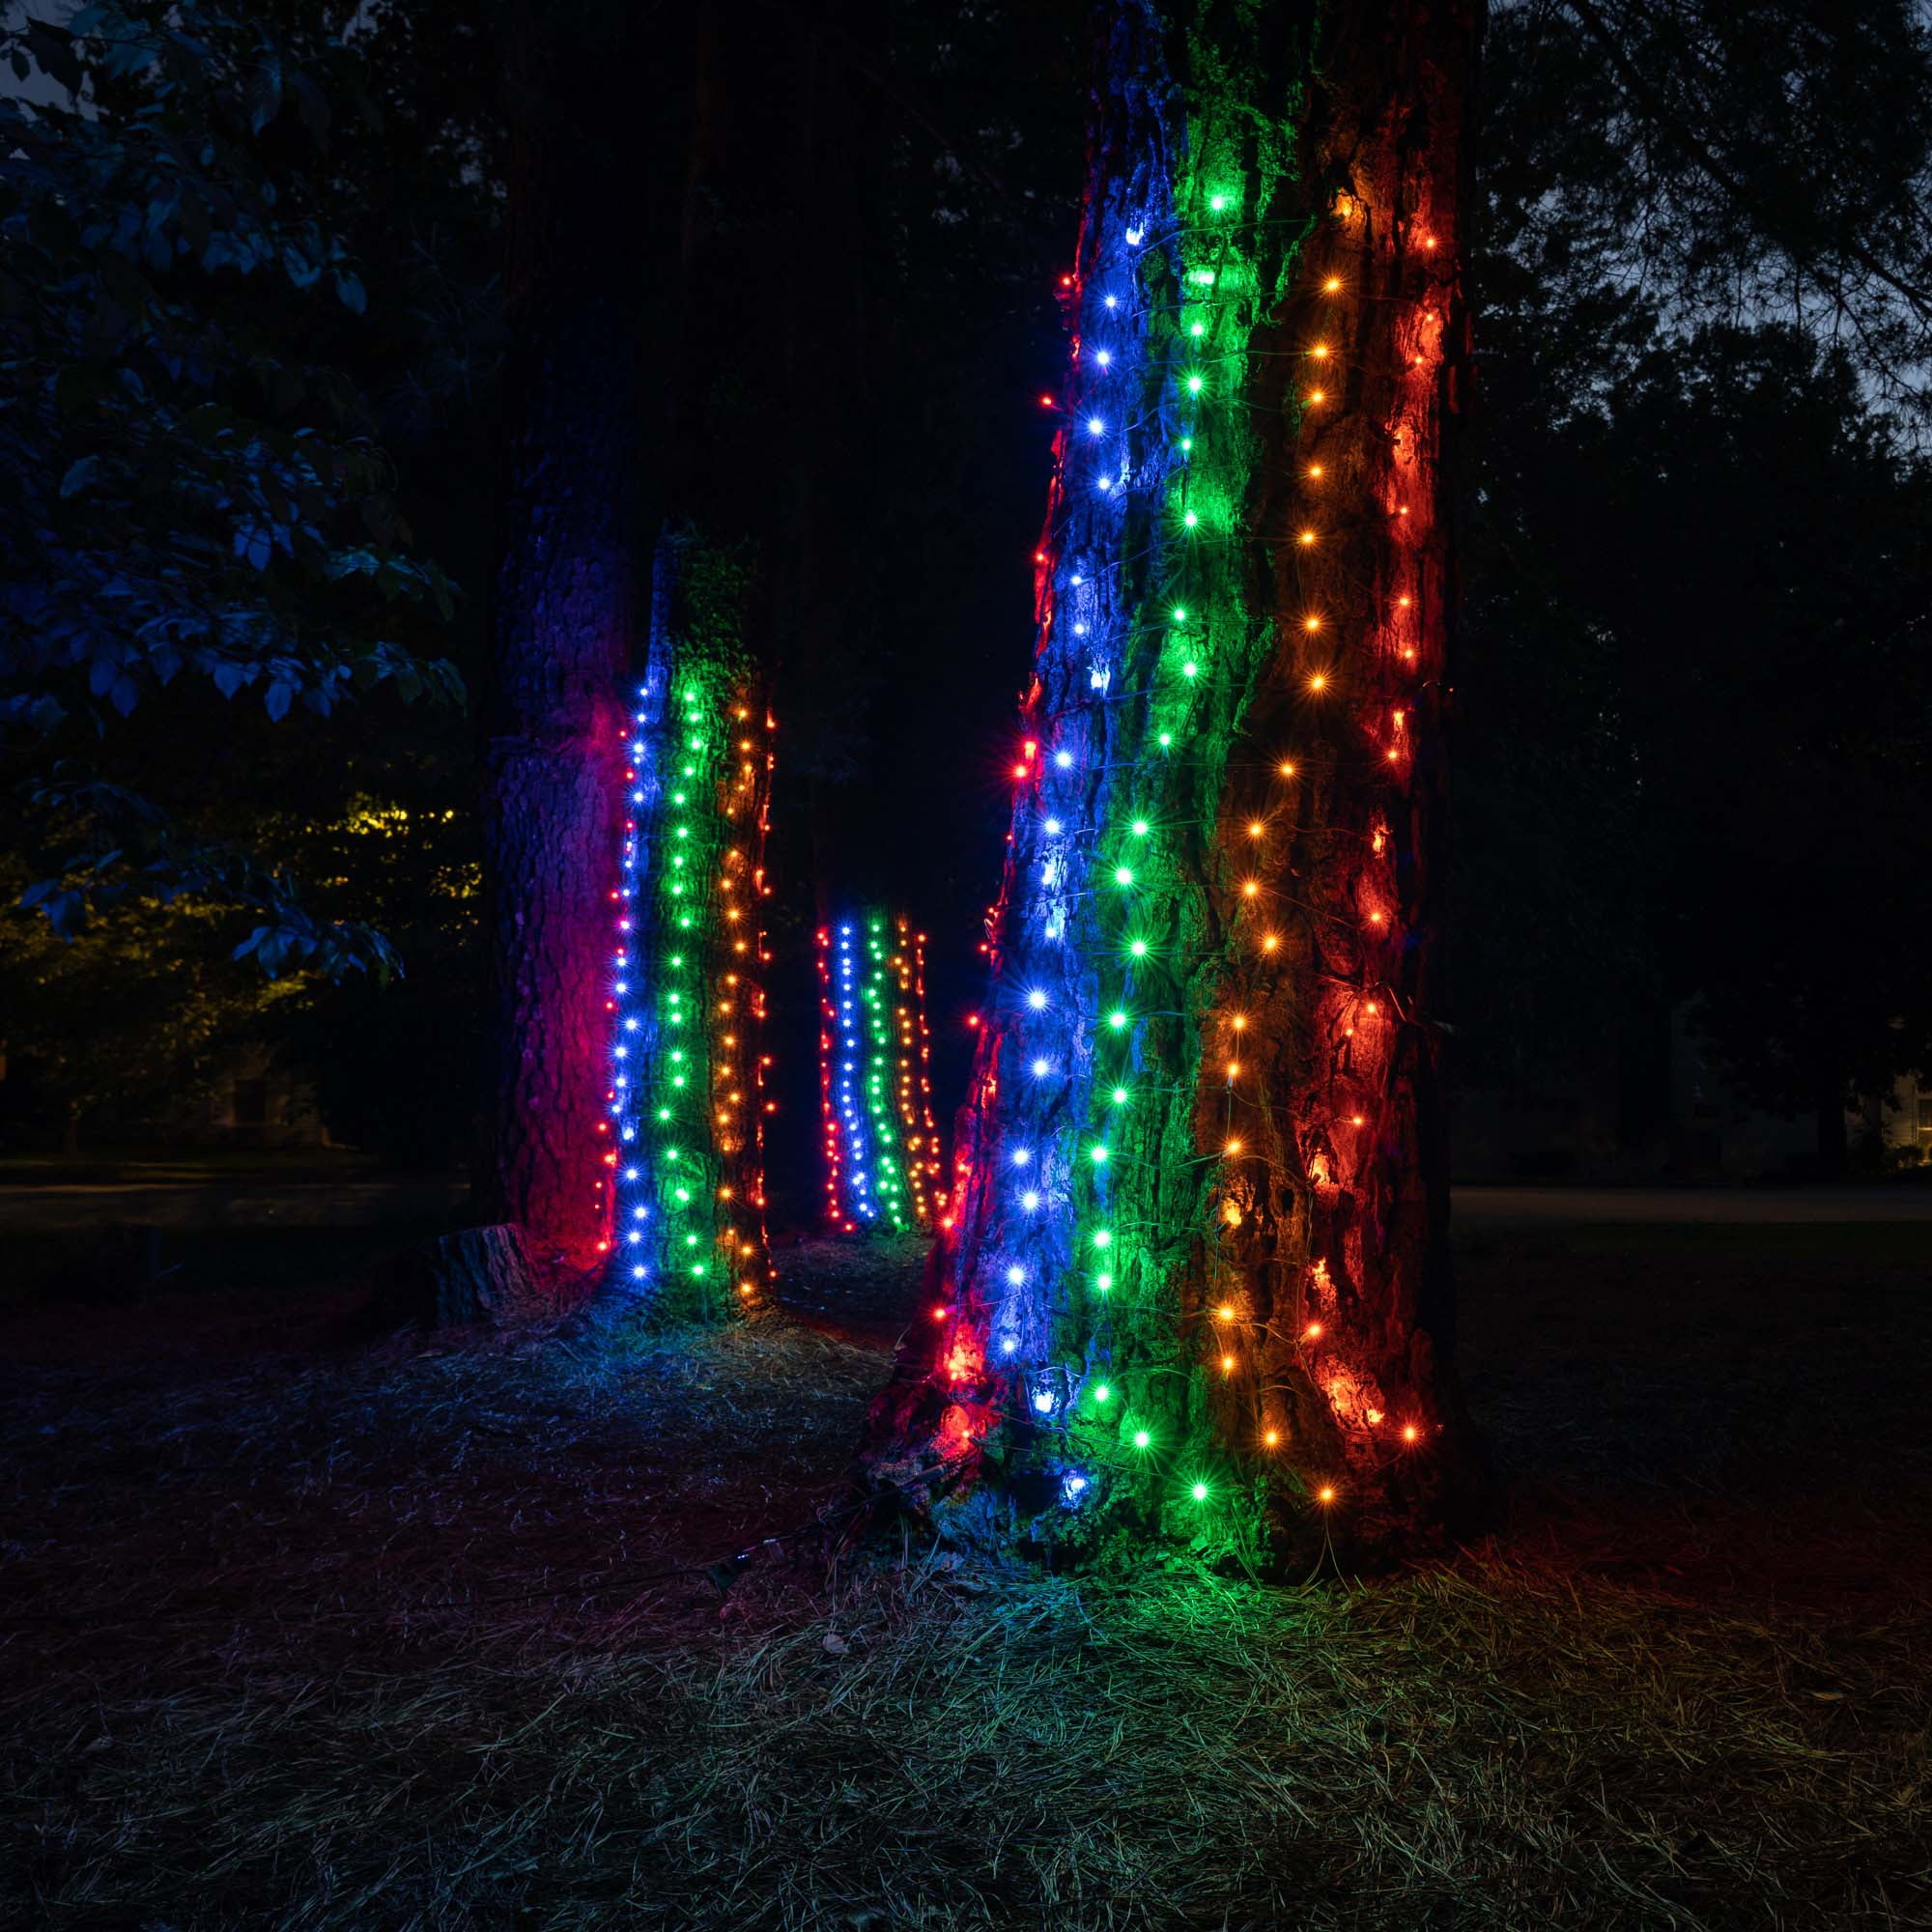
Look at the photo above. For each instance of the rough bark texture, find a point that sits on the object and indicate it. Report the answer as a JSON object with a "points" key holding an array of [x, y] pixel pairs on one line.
{"points": [[1199, 1285], [686, 1081], [1343, 1223], [563, 623], [479, 1274]]}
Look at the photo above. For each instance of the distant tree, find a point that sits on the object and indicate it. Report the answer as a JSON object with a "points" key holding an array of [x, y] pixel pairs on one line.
{"points": [[569, 600], [126, 1018], [189, 489], [1689, 741], [1731, 162]]}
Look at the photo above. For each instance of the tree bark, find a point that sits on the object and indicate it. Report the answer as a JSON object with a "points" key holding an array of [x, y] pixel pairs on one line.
{"points": [[478, 1274], [1199, 1290], [564, 619]]}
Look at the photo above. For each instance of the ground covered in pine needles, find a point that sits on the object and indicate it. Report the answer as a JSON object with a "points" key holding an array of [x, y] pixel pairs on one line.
{"points": [[307, 1628]]}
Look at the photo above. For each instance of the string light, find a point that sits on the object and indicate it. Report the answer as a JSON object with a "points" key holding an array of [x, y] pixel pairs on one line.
{"points": [[684, 1097], [882, 1155], [1107, 899]]}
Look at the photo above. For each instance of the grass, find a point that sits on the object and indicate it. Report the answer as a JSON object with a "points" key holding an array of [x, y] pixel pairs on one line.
{"points": [[305, 1630]]}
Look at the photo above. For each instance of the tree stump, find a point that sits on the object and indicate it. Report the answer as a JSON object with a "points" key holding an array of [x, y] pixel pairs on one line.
{"points": [[478, 1274]]}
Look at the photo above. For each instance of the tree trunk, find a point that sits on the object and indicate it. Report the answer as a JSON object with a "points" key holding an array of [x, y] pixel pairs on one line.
{"points": [[686, 1081], [1199, 1290], [564, 618], [478, 1274]]}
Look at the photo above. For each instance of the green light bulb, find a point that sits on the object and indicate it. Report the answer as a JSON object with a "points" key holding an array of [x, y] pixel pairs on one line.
{"points": [[1142, 1439], [1103, 1393], [1140, 828], [1200, 1492], [1119, 1097]]}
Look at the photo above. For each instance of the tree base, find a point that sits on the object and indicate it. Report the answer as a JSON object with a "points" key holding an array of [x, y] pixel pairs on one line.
{"points": [[477, 1275]]}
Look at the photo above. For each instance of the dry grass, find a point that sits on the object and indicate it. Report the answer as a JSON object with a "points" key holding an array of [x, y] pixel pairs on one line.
{"points": [[302, 1633]]}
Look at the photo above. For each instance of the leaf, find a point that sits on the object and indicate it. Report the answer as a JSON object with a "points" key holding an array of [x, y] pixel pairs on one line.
{"points": [[79, 474], [312, 104], [349, 288], [276, 698], [52, 49], [265, 94], [229, 678]]}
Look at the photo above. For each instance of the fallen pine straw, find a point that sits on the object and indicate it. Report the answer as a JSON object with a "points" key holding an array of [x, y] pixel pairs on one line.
{"points": [[1468, 1747], [418, 1636]]}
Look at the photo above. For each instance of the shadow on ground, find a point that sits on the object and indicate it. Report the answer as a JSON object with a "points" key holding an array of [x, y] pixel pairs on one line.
{"points": [[302, 1628]]}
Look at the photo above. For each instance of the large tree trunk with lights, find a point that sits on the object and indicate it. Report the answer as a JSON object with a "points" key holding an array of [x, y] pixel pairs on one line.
{"points": [[566, 608], [1198, 1291]]}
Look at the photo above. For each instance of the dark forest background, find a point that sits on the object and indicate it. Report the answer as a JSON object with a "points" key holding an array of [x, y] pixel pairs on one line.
{"points": [[1692, 706]]}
